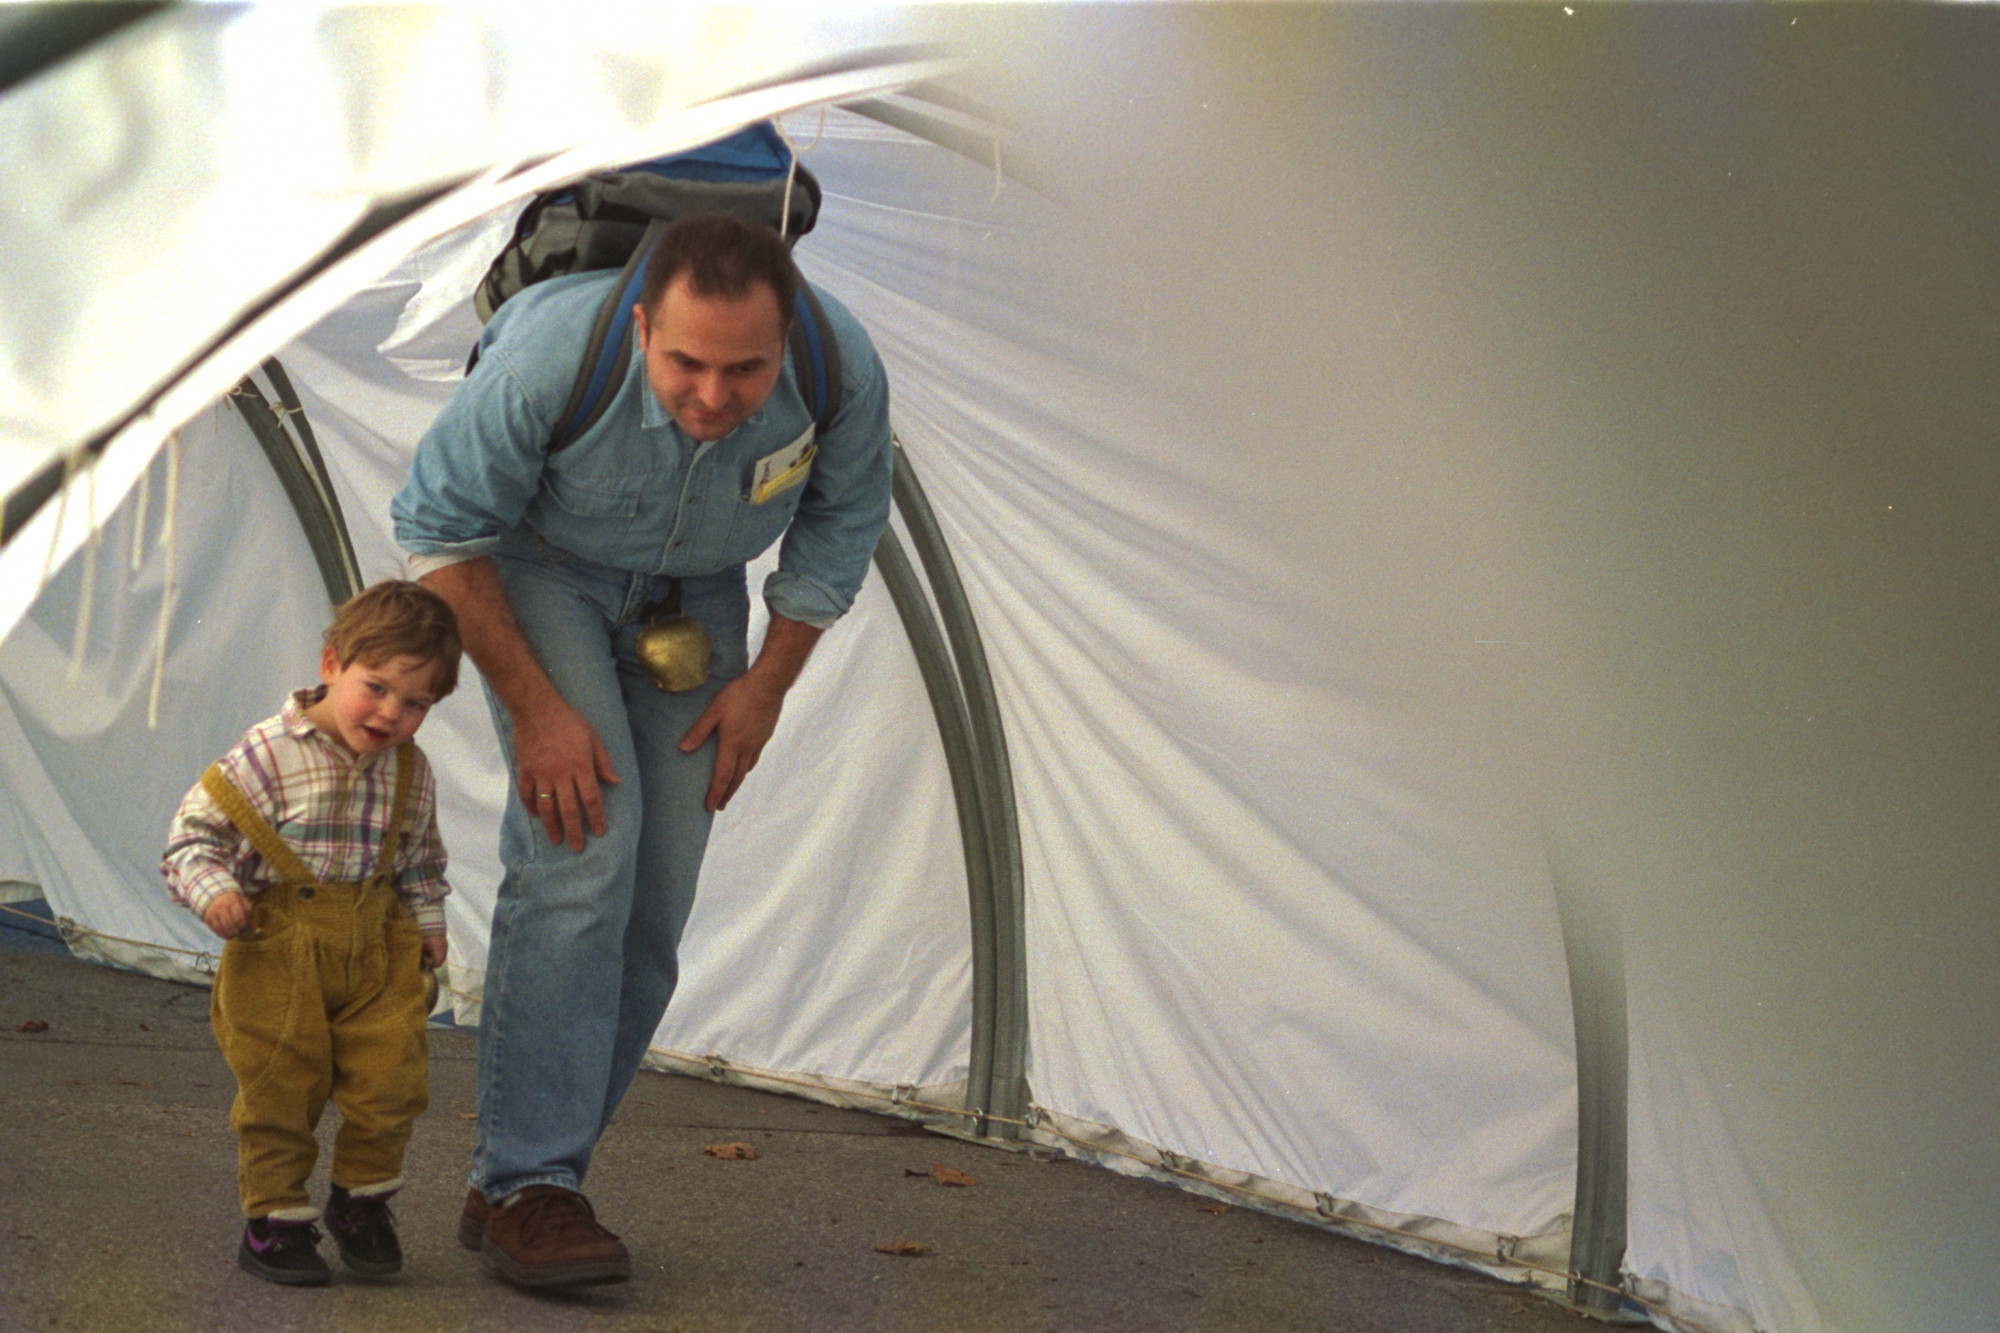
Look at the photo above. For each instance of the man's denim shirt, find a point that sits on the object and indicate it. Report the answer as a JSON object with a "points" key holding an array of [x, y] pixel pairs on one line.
{"points": [[635, 492]]}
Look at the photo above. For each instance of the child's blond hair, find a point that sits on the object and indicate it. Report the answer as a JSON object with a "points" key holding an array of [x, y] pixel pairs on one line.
{"points": [[397, 618]]}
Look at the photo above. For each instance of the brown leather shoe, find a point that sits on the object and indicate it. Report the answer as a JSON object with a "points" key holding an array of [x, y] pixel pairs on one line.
{"points": [[472, 1222], [547, 1236]]}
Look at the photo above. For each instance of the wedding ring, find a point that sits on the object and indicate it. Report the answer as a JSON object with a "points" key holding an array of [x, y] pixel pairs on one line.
{"points": [[545, 796]]}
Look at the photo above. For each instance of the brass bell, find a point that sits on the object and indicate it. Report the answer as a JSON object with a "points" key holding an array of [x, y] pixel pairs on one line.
{"points": [[674, 651]]}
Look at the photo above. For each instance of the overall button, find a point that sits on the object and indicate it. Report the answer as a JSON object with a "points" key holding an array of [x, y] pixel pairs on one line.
{"points": [[306, 892]]}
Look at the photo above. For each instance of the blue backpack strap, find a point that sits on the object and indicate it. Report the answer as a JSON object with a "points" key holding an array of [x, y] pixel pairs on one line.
{"points": [[815, 359], [609, 350]]}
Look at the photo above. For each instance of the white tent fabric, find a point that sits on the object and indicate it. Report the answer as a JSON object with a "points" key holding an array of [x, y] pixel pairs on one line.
{"points": [[1391, 440], [277, 133]]}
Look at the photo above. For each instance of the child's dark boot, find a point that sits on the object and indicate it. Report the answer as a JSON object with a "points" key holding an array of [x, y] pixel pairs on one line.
{"points": [[365, 1230], [283, 1252]]}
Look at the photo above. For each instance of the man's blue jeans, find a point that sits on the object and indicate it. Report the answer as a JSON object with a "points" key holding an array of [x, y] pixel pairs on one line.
{"points": [[582, 958]]}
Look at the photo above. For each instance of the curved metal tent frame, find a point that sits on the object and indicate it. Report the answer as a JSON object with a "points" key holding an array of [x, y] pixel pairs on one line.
{"points": [[952, 661], [944, 638]]}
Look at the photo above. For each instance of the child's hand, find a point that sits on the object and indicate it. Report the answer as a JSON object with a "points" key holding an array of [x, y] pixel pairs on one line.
{"points": [[435, 948], [227, 915]]}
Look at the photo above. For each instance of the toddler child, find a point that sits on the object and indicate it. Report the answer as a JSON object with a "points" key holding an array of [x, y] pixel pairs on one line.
{"points": [[312, 848]]}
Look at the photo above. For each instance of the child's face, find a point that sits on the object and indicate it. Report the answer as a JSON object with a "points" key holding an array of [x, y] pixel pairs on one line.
{"points": [[373, 706]]}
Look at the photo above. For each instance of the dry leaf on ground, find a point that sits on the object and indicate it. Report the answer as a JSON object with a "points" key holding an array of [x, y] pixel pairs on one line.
{"points": [[731, 1152], [468, 1115], [903, 1249], [944, 1175], [1214, 1207], [33, 1025]]}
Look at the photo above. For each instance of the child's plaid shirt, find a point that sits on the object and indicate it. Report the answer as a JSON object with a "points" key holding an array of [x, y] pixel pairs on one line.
{"points": [[331, 808]]}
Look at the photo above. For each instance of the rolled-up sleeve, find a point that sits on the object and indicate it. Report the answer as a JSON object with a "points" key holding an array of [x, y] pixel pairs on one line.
{"points": [[476, 468], [825, 553]]}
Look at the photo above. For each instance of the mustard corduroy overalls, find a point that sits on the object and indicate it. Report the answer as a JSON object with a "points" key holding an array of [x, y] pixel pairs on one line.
{"points": [[322, 995]]}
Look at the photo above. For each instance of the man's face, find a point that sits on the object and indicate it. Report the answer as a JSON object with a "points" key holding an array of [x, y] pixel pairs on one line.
{"points": [[711, 360]]}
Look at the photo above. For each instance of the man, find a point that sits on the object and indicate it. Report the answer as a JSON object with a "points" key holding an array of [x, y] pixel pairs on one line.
{"points": [[554, 563]]}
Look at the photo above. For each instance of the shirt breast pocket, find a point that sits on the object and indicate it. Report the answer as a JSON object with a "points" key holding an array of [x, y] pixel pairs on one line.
{"points": [[592, 499]]}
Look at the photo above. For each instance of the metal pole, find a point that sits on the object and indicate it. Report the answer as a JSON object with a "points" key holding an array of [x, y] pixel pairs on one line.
{"points": [[963, 702], [1595, 949], [954, 731], [996, 796], [309, 447], [325, 532]]}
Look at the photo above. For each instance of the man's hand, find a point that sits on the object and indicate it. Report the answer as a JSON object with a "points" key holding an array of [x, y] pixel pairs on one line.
{"points": [[559, 762], [227, 914], [744, 712], [558, 759], [435, 949], [742, 716]]}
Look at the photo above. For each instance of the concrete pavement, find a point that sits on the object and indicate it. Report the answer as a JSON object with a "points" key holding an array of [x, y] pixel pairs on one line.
{"points": [[117, 1180]]}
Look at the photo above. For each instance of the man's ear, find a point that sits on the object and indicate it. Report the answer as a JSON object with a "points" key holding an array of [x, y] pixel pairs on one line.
{"points": [[640, 328]]}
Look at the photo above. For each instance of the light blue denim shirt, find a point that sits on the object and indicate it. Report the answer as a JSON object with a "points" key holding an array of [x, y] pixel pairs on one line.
{"points": [[635, 492]]}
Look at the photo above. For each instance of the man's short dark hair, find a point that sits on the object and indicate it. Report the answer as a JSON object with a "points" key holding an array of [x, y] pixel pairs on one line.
{"points": [[722, 256]]}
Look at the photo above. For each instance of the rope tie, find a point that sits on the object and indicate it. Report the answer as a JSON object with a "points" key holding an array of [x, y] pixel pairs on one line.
{"points": [[792, 169], [791, 174], [87, 596], [71, 461], [204, 959], [139, 503], [168, 541]]}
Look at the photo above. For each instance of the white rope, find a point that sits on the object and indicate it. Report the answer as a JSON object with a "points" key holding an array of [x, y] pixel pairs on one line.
{"points": [[791, 174], [167, 539], [792, 169], [70, 463], [87, 596], [139, 517], [204, 958]]}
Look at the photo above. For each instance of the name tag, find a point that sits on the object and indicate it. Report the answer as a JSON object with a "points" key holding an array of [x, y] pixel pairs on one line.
{"points": [[779, 472]]}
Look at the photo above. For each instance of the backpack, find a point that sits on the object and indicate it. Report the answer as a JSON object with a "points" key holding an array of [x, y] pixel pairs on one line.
{"points": [[612, 219]]}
